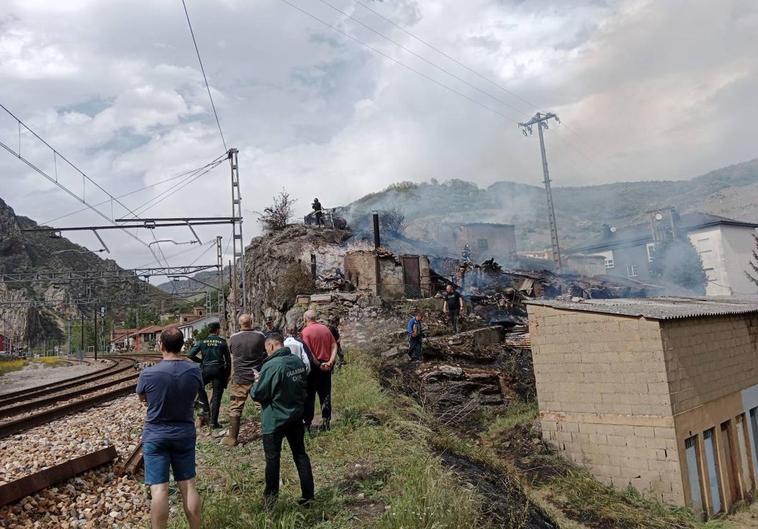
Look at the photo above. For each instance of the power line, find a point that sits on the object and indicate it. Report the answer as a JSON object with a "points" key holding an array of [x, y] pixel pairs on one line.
{"points": [[447, 56], [132, 192], [202, 69], [396, 61], [421, 57]]}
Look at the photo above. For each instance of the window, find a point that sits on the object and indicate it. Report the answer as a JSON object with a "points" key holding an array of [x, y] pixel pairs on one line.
{"points": [[610, 264], [711, 466], [650, 247], [483, 244], [632, 270], [693, 473]]}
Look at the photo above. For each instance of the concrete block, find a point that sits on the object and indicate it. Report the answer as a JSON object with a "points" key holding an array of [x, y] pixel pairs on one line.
{"points": [[321, 298]]}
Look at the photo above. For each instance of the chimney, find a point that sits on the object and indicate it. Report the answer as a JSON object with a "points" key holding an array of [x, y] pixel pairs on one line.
{"points": [[377, 239]]}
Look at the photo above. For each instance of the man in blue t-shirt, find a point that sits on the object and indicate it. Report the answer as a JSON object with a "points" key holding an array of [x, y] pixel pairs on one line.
{"points": [[169, 389]]}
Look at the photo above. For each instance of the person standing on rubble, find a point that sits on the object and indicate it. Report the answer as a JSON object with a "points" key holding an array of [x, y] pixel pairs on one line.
{"points": [[280, 387], [323, 346], [248, 350], [415, 337], [216, 365], [453, 307], [334, 327], [318, 211]]}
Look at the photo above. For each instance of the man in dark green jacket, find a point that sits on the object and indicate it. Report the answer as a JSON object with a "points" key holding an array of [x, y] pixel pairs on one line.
{"points": [[280, 387], [216, 366]]}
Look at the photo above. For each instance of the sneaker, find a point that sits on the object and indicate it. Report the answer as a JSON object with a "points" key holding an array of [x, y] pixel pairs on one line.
{"points": [[216, 426], [305, 502], [325, 427]]}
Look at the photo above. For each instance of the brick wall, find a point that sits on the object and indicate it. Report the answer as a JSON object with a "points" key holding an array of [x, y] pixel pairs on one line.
{"points": [[709, 358], [603, 397]]}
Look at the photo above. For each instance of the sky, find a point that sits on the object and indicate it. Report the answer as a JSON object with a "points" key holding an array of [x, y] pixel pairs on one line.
{"points": [[339, 98]]}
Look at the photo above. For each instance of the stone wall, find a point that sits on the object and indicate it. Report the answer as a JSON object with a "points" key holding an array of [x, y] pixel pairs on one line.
{"points": [[709, 358], [603, 397]]}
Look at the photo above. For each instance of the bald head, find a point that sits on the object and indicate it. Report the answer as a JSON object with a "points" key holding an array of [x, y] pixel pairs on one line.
{"points": [[246, 322], [310, 315]]}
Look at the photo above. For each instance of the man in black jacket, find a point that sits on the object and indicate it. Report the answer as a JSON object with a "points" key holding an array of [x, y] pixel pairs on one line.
{"points": [[216, 365]]}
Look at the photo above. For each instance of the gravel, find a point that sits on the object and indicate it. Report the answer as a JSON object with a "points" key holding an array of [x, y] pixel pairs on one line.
{"points": [[96, 499], [35, 374]]}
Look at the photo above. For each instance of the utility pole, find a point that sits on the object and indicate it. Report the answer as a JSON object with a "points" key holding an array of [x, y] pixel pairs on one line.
{"points": [[95, 334], [541, 120], [238, 242], [220, 264]]}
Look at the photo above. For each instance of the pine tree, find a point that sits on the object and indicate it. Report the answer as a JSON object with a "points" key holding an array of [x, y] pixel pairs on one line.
{"points": [[754, 263]]}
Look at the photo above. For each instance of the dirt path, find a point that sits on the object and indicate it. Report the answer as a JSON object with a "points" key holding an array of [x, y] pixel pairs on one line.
{"points": [[36, 374]]}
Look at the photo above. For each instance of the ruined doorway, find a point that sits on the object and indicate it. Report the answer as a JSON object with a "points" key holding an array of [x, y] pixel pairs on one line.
{"points": [[412, 276]]}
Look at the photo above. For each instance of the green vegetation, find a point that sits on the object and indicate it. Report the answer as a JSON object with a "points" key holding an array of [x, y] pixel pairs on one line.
{"points": [[8, 366], [375, 469], [572, 490]]}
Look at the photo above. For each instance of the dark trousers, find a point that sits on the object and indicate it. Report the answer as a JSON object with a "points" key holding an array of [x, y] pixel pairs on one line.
{"points": [[216, 376], [272, 447], [414, 348], [319, 382], [454, 315], [319, 218]]}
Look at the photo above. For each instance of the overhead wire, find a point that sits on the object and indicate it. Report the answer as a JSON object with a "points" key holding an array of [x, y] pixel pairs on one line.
{"points": [[396, 61], [205, 77], [129, 193], [531, 105], [421, 57]]}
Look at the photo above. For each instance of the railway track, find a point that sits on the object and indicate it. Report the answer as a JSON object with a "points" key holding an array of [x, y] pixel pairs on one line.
{"points": [[69, 396], [25, 409]]}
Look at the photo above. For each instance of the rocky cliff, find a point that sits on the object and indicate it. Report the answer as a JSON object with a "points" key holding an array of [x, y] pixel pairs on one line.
{"points": [[37, 312]]}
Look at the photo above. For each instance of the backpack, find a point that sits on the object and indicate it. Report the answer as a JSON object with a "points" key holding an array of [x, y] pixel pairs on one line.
{"points": [[410, 325]]}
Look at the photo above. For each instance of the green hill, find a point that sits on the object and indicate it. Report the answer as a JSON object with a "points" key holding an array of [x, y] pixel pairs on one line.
{"points": [[581, 211]]}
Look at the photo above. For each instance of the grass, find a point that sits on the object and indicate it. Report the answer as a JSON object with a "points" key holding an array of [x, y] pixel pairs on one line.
{"points": [[576, 493], [375, 469], [8, 366]]}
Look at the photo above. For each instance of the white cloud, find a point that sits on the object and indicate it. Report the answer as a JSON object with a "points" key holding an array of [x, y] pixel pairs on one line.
{"points": [[646, 89]]}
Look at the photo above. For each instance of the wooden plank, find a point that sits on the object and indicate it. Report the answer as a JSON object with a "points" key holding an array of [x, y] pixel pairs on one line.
{"points": [[15, 490]]}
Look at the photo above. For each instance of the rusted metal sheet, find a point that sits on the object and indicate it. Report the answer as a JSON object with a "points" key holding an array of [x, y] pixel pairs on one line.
{"points": [[31, 405], [133, 463], [411, 276], [30, 421], [20, 488]]}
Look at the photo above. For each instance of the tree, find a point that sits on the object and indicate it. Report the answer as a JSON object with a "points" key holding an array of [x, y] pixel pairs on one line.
{"points": [[392, 222], [677, 261], [278, 215], [754, 263]]}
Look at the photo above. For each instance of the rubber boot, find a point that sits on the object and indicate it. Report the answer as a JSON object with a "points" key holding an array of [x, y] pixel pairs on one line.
{"points": [[234, 430]]}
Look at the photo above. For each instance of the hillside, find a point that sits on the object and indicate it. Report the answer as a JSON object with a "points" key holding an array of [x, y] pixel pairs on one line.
{"points": [[581, 211], [55, 303]]}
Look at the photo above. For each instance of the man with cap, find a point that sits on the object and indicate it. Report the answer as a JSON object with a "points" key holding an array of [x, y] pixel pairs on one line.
{"points": [[216, 365]]}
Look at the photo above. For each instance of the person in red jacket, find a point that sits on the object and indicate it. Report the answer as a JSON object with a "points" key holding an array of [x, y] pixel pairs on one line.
{"points": [[323, 347]]}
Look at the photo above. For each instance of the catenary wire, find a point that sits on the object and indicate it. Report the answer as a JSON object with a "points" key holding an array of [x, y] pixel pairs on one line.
{"points": [[205, 77]]}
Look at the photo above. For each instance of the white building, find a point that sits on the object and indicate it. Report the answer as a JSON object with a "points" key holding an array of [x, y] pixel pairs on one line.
{"points": [[725, 247], [195, 325]]}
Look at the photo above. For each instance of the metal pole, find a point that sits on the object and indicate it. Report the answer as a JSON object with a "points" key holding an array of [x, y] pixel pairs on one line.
{"points": [[377, 238], [550, 207], [220, 264], [81, 350], [95, 334]]}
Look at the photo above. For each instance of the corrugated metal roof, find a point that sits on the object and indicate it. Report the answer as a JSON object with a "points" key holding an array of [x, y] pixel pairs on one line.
{"points": [[664, 308]]}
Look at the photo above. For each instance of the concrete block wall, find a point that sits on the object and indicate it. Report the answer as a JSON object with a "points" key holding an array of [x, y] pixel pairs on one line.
{"points": [[603, 397], [709, 358]]}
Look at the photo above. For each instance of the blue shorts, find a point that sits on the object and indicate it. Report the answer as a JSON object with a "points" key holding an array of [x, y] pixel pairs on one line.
{"points": [[179, 454]]}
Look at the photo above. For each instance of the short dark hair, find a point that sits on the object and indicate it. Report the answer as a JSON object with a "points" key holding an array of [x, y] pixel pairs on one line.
{"points": [[172, 340], [214, 327], [275, 337]]}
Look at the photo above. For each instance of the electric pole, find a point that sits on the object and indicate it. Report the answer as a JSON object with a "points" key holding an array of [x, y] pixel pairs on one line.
{"points": [[541, 120], [238, 242]]}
